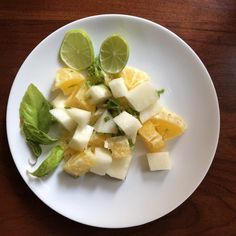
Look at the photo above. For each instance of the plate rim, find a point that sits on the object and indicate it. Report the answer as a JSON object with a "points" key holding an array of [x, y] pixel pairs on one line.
{"points": [[177, 38]]}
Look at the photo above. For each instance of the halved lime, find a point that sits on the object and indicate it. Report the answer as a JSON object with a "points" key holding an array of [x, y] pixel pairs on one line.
{"points": [[77, 50], [114, 54]]}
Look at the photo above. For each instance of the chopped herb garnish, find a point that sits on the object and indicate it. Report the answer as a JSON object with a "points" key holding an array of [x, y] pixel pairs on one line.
{"points": [[113, 106], [132, 112], [120, 132], [131, 144], [67, 107], [95, 73], [107, 118], [159, 92]]}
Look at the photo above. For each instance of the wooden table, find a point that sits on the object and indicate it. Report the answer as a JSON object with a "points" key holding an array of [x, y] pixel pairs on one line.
{"points": [[209, 27]]}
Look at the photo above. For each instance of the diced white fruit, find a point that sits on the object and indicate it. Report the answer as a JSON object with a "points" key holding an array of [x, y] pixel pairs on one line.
{"points": [[129, 124], [118, 88], [142, 96], [80, 116], [98, 93], [81, 137], [150, 111], [61, 115], [105, 124], [103, 161], [59, 101], [119, 168], [159, 161]]}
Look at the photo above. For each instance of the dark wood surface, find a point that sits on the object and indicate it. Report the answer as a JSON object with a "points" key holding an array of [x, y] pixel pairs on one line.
{"points": [[209, 27]]}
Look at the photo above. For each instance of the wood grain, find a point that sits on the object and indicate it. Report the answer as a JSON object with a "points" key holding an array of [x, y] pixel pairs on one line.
{"points": [[209, 27]]}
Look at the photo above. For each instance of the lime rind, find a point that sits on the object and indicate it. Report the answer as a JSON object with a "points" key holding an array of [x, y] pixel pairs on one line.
{"points": [[77, 50]]}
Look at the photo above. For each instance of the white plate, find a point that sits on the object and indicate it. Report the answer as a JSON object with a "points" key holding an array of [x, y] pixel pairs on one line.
{"points": [[144, 196]]}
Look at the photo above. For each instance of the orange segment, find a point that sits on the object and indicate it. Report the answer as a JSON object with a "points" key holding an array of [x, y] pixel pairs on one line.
{"points": [[133, 77], [168, 124], [151, 138]]}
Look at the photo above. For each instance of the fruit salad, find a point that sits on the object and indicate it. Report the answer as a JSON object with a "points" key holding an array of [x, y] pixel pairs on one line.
{"points": [[102, 106]]}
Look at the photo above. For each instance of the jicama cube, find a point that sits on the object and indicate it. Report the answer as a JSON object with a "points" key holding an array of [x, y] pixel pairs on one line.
{"points": [[80, 164], [105, 124], [59, 101], [129, 124], [150, 111], [119, 168], [103, 161], [142, 96], [118, 88], [98, 93], [159, 161], [81, 137], [81, 117], [61, 115]]}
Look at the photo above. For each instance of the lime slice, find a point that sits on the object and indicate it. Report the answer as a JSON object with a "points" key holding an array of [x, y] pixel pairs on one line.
{"points": [[114, 54], [77, 50]]}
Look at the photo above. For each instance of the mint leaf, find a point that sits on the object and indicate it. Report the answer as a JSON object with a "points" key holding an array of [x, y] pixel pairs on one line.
{"points": [[50, 163]]}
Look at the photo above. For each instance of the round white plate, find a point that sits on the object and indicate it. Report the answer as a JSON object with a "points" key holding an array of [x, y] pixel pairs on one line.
{"points": [[144, 196]]}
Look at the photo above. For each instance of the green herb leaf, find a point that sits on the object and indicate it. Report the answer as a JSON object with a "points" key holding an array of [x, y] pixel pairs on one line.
{"points": [[34, 109], [50, 163], [35, 148], [120, 131], [96, 74], [131, 144], [132, 112], [114, 107], [37, 136], [159, 92], [107, 118]]}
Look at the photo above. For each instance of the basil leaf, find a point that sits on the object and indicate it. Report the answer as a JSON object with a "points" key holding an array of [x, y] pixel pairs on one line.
{"points": [[50, 163], [34, 109], [35, 148], [37, 136]]}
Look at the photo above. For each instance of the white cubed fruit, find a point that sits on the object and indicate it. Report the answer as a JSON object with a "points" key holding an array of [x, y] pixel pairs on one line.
{"points": [[142, 96], [150, 111], [129, 124], [61, 115], [98, 93], [159, 161], [59, 101], [119, 168], [81, 137], [103, 161], [81, 117], [105, 124], [118, 88]]}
